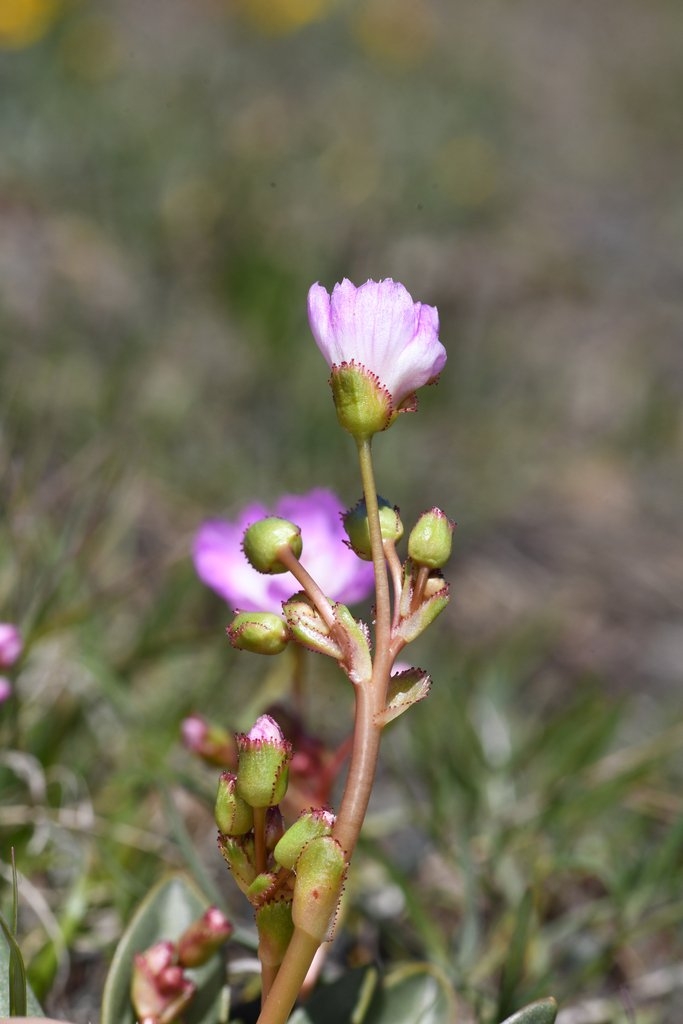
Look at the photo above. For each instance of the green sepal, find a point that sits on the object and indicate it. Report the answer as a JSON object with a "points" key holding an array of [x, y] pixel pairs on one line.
{"points": [[308, 627], [362, 402], [262, 765], [234, 816], [238, 853], [275, 928], [356, 658], [258, 633], [310, 825], [320, 873], [436, 597], [406, 589], [261, 885], [405, 689]]}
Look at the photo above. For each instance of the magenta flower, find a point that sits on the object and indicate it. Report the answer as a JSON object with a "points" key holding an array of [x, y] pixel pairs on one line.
{"points": [[10, 644], [221, 564], [378, 327]]}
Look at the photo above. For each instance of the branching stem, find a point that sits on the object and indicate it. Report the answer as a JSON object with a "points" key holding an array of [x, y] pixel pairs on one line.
{"points": [[370, 700]]}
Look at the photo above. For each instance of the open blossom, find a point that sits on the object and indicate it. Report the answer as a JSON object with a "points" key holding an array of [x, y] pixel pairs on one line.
{"points": [[221, 564], [378, 327], [11, 644]]}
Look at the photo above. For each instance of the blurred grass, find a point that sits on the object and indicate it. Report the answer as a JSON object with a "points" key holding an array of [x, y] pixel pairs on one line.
{"points": [[172, 179]]}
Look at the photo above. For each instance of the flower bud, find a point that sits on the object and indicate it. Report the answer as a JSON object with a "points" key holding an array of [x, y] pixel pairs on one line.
{"points": [[358, 529], [309, 825], [212, 743], [275, 827], [258, 632], [159, 989], [234, 816], [362, 402], [238, 853], [264, 539], [203, 938], [320, 873], [262, 887], [263, 757], [11, 644], [308, 627], [5, 689], [275, 927], [430, 540]]}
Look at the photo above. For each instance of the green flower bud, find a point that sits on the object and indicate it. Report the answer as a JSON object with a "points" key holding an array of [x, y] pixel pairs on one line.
{"points": [[234, 816], [264, 539], [320, 874], [238, 853], [430, 540], [308, 627], [363, 404], [358, 529], [310, 825], [263, 756], [275, 928], [258, 632], [261, 886]]}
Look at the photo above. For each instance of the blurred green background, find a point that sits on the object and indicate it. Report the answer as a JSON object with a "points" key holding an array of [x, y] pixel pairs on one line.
{"points": [[173, 177]]}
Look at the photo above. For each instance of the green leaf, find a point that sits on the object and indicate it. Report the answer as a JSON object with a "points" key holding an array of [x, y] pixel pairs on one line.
{"points": [[13, 978], [543, 1011], [16, 997], [165, 913], [513, 968], [410, 994], [341, 1002], [415, 994], [14, 974]]}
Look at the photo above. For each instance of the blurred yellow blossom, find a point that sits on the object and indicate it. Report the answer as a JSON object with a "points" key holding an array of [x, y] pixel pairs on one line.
{"points": [[24, 22], [396, 33], [278, 17]]}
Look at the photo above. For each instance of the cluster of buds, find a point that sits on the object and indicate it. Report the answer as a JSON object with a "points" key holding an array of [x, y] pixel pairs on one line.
{"points": [[328, 627], [160, 988], [292, 877]]}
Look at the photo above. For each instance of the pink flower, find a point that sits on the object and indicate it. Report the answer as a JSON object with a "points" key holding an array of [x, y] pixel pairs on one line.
{"points": [[10, 644], [5, 689], [221, 564], [379, 327]]}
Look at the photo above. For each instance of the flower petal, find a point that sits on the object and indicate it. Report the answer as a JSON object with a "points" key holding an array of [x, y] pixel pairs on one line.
{"points": [[379, 327], [221, 564]]}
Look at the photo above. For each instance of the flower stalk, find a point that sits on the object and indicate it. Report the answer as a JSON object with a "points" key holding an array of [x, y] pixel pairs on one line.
{"points": [[380, 347]]}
